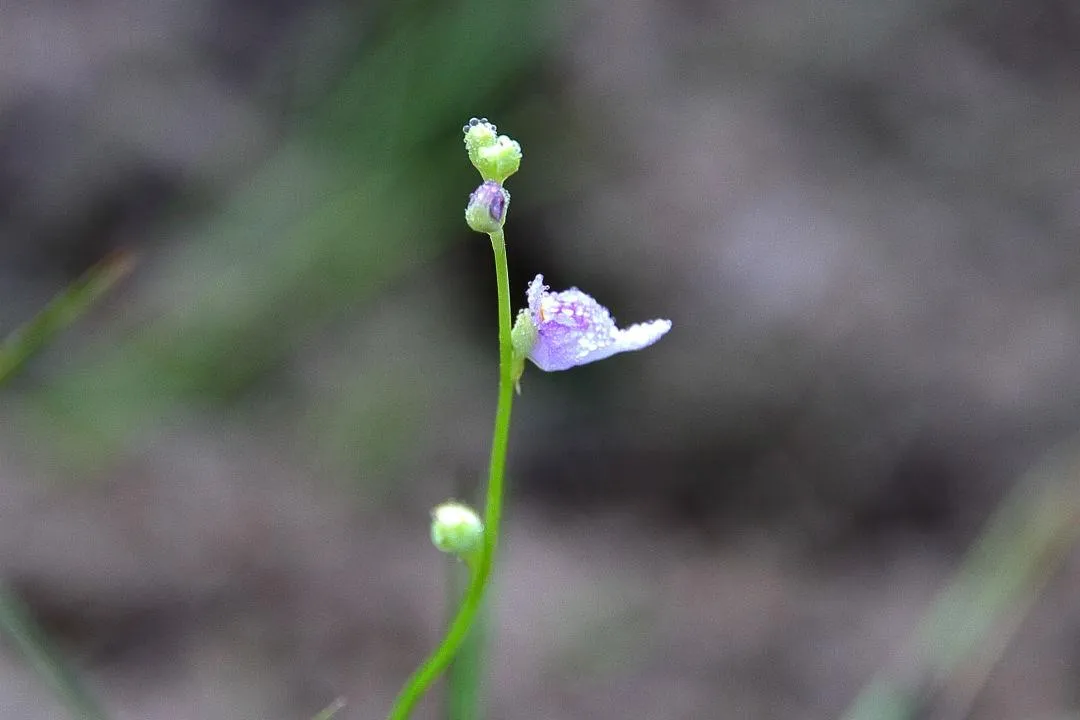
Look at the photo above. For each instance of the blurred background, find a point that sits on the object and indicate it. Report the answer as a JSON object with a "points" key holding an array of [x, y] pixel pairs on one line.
{"points": [[861, 217]]}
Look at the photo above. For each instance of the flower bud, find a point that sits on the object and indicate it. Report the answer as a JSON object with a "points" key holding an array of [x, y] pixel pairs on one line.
{"points": [[456, 528], [523, 338], [486, 211], [497, 157], [478, 133]]}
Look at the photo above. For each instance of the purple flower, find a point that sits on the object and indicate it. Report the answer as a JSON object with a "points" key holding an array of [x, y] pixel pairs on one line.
{"points": [[572, 329]]}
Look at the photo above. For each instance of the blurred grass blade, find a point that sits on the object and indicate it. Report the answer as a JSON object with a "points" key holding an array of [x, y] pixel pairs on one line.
{"points": [[970, 623], [61, 312], [356, 196], [16, 623], [16, 349], [330, 710]]}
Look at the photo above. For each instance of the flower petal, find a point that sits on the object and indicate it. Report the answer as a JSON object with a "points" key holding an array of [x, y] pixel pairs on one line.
{"points": [[641, 335], [536, 290]]}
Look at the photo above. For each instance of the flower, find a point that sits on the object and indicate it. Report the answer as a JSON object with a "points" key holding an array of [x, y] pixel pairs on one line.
{"points": [[565, 329]]}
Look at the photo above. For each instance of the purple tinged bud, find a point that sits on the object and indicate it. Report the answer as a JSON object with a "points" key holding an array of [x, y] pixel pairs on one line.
{"points": [[497, 205], [486, 211]]}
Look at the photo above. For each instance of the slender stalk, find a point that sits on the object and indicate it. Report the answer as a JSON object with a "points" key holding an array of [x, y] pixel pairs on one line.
{"points": [[436, 663], [465, 676]]}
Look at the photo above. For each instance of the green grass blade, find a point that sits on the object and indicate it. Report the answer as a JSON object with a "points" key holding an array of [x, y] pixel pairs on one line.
{"points": [[970, 623], [62, 311], [15, 620], [17, 623]]}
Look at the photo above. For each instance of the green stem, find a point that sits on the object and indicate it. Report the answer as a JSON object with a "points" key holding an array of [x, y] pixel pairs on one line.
{"points": [[440, 658], [465, 676]]}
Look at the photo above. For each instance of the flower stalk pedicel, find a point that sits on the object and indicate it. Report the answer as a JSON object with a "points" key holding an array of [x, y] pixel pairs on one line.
{"points": [[557, 331]]}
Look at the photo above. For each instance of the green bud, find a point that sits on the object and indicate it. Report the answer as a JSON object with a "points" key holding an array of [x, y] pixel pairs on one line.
{"points": [[456, 528], [497, 157], [486, 211], [522, 337]]}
